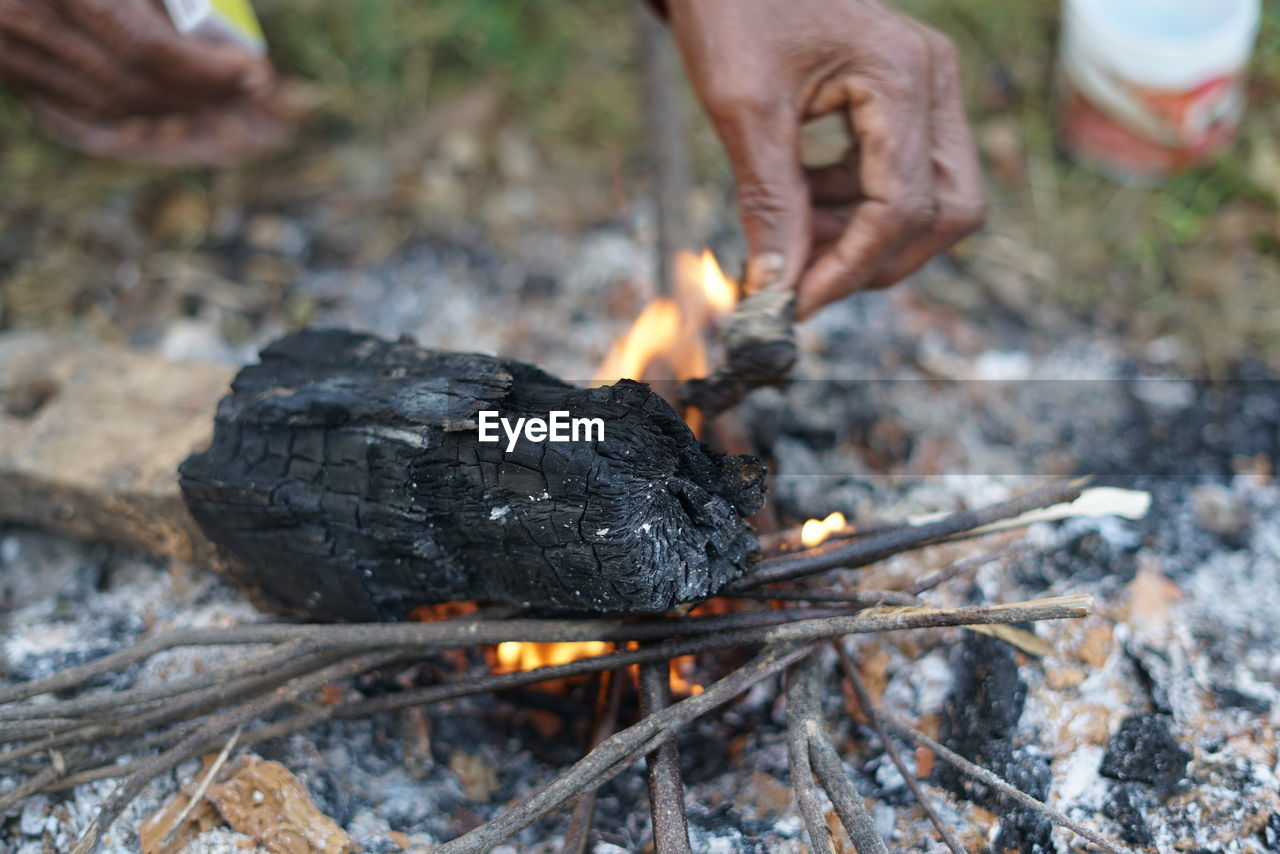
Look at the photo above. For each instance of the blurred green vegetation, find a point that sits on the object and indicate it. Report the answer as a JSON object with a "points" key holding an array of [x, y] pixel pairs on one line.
{"points": [[1197, 259], [567, 66]]}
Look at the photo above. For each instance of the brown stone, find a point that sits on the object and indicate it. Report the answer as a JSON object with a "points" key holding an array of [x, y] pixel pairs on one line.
{"points": [[91, 438]]}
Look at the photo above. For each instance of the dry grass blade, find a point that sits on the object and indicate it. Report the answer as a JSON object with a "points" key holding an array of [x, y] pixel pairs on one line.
{"points": [[205, 782]]}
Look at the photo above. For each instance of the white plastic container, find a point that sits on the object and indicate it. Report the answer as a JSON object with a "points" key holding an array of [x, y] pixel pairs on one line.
{"points": [[1151, 87]]}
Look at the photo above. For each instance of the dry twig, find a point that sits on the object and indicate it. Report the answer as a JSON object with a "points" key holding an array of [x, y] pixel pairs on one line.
{"points": [[163, 725], [811, 752], [666, 788]]}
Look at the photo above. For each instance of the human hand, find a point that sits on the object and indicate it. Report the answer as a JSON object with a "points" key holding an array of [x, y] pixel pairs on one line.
{"points": [[910, 184], [114, 77]]}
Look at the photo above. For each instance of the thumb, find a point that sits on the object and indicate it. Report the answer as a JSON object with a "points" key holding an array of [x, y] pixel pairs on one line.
{"points": [[773, 198]]}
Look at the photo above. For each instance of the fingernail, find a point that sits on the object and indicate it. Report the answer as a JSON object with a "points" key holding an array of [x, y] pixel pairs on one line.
{"points": [[764, 271]]}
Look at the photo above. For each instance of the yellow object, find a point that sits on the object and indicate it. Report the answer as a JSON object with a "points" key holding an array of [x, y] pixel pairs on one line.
{"points": [[230, 21]]}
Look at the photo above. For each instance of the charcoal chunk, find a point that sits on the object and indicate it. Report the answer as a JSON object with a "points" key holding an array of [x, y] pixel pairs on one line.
{"points": [[1125, 809], [980, 722], [1144, 750], [347, 478]]}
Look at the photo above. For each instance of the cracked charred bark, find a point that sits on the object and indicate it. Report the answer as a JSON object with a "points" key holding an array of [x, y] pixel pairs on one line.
{"points": [[346, 476]]}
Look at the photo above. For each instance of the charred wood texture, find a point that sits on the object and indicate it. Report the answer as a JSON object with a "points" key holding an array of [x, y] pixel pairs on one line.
{"points": [[347, 476]]}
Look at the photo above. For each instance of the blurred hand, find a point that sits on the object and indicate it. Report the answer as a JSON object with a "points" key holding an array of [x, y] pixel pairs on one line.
{"points": [[910, 184], [115, 78]]}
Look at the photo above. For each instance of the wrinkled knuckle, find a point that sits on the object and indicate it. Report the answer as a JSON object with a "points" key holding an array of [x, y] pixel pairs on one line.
{"points": [[914, 55], [762, 203], [730, 98], [909, 217]]}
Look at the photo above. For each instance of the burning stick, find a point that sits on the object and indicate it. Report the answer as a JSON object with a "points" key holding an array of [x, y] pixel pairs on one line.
{"points": [[760, 343], [877, 547]]}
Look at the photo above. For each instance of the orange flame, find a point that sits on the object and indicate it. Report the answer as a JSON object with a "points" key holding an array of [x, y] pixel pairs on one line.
{"points": [[681, 671], [513, 656], [670, 330], [674, 329]]}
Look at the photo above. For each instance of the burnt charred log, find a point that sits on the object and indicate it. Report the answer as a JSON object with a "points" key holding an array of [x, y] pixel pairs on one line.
{"points": [[346, 475]]}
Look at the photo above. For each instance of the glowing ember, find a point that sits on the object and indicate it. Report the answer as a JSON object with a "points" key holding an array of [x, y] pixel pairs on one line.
{"points": [[815, 531], [513, 656], [681, 670]]}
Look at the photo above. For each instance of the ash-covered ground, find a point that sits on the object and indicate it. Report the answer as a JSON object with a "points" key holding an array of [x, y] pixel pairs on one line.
{"points": [[1155, 721]]}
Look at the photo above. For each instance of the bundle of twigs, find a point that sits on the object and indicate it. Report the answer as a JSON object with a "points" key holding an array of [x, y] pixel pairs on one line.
{"points": [[140, 733]]}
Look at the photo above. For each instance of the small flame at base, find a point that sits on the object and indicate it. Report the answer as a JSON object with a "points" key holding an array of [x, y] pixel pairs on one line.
{"points": [[816, 531], [514, 656]]}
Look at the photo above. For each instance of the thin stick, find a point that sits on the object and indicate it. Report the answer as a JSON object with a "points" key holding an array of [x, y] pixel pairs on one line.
{"points": [[41, 781], [863, 598], [450, 634], [867, 550], [666, 788], [994, 781], [79, 706], [864, 700], [205, 783], [872, 620], [804, 631], [209, 732], [802, 770], [579, 828], [617, 752], [194, 704], [804, 715], [964, 565], [200, 739]]}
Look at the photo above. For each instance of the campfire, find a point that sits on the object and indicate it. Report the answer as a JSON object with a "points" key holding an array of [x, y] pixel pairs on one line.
{"points": [[346, 481]]}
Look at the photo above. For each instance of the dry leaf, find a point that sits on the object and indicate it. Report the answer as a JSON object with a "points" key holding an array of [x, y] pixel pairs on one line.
{"points": [[1151, 597], [264, 800], [479, 778], [1096, 646]]}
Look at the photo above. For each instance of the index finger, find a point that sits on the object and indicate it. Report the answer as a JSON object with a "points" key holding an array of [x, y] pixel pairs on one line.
{"points": [[895, 173]]}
